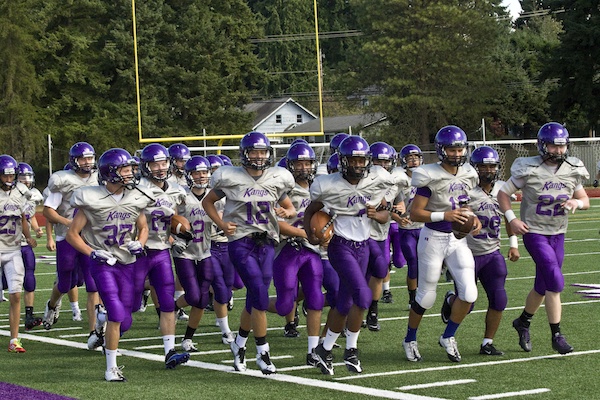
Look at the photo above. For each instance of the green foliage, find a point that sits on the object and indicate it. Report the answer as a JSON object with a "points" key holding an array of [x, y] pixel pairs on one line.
{"points": [[430, 60]]}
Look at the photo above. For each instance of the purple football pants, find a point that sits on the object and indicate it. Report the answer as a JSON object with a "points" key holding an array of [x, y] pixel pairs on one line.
{"points": [[331, 283], [156, 265], [491, 271], [29, 282], [223, 272], [293, 265], [548, 253], [115, 287], [195, 277], [379, 258], [254, 263], [350, 260], [397, 257], [409, 238], [69, 263]]}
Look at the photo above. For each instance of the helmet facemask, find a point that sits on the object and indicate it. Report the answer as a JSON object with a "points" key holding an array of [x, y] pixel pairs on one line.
{"points": [[353, 171]]}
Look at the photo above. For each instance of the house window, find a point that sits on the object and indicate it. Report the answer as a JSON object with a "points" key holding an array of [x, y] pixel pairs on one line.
{"points": [[299, 118], [278, 119]]}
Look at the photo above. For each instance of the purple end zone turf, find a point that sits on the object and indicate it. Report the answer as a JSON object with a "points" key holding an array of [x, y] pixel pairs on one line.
{"points": [[16, 392]]}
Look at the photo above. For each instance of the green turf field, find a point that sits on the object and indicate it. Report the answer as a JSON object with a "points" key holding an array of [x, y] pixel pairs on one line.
{"points": [[57, 360]]}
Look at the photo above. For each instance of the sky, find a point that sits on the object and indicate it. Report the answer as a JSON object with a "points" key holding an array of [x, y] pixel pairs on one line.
{"points": [[513, 6]]}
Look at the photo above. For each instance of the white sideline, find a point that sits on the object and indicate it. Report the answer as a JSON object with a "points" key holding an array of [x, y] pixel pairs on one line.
{"points": [[323, 384]]}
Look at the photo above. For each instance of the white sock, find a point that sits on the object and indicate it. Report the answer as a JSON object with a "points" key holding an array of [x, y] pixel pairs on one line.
{"points": [[385, 285], [313, 341], [178, 294], [224, 324], [352, 339], [240, 341], [262, 348], [330, 339], [111, 359], [74, 306], [169, 343], [487, 341]]}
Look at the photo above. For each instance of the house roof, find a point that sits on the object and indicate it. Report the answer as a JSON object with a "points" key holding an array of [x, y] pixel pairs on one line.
{"points": [[265, 108], [339, 124]]}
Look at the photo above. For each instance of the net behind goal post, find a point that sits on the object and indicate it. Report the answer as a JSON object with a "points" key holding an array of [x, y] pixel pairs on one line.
{"points": [[586, 149]]}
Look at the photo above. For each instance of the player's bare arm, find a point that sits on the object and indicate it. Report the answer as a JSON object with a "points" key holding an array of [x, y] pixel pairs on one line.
{"points": [[26, 232], [504, 201], [286, 209], [73, 234], [381, 216], [208, 203], [579, 201], [141, 225], [291, 231], [53, 216]]}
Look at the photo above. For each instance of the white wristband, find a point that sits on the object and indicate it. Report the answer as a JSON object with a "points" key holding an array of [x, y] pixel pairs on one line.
{"points": [[579, 204], [437, 216], [513, 242], [509, 215]]}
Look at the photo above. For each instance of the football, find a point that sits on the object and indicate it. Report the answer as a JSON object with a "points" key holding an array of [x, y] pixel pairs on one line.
{"points": [[462, 230], [321, 222], [180, 225]]}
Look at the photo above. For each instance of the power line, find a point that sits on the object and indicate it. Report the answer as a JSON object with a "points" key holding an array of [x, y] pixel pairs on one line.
{"points": [[306, 36]]}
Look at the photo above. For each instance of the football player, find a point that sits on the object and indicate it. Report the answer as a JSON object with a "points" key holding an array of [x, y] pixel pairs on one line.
{"points": [[552, 188], [155, 262], [255, 197], [410, 157], [441, 187], [193, 262], [490, 267], [384, 156], [105, 228], [13, 202], [297, 260], [72, 266], [26, 176], [353, 196]]}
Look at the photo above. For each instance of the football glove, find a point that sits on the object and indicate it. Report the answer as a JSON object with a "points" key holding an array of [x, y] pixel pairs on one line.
{"points": [[135, 248], [103, 257], [178, 247], [187, 236]]}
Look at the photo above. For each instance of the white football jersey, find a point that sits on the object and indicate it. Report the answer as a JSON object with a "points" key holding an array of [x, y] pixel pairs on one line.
{"points": [[191, 208], [486, 207], [348, 202], [65, 183], [408, 195], [13, 204], [217, 235], [380, 232], [159, 214], [447, 190], [300, 198], [180, 180], [111, 223], [251, 202], [545, 190]]}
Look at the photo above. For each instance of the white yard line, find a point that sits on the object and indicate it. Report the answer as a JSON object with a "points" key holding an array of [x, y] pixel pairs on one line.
{"points": [[437, 384], [510, 394]]}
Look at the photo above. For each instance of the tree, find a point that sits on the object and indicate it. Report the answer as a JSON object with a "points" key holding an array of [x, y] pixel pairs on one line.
{"points": [[575, 63], [19, 87], [431, 62]]}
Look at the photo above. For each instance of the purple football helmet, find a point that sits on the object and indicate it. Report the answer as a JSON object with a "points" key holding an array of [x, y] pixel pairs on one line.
{"points": [[109, 164], [552, 133], [256, 141], [383, 155], [282, 162], [335, 142], [8, 166], [155, 152], [410, 150], [67, 167], [215, 162], [137, 172], [302, 152], [353, 147], [179, 152], [197, 163], [226, 160], [451, 136], [333, 163], [483, 156], [298, 141], [78, 150], [26, 175]]}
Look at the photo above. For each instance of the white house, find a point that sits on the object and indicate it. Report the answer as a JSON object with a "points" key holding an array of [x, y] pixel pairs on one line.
{"points": [[278, 115]]}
